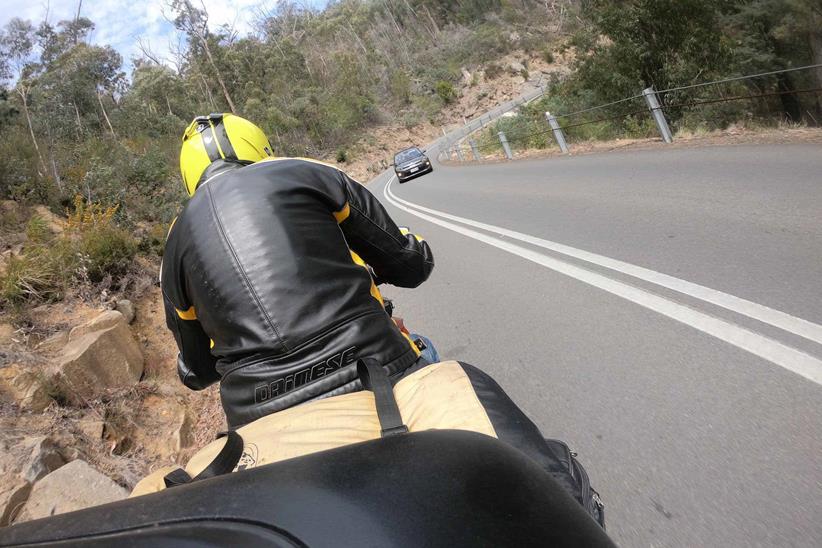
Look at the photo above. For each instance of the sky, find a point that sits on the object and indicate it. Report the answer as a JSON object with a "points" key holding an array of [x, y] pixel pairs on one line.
{"points": [[120, 24]]}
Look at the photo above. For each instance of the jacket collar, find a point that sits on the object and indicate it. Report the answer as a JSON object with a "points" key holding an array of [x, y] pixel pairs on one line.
{"points": [[218, 167]]}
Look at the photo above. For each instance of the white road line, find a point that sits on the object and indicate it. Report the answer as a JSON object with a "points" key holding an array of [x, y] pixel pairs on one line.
{"points": [[776, 318], [769, 349]]}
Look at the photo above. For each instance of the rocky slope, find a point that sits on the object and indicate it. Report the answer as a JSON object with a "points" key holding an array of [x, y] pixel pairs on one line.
{"points": [[89, 381]]}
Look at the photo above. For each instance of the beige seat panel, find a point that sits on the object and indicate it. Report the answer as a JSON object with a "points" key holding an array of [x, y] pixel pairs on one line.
{"points": [[439, 396]]}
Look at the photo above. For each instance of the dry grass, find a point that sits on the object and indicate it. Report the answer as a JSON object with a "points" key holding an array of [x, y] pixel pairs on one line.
{"points": [[92, 250]]}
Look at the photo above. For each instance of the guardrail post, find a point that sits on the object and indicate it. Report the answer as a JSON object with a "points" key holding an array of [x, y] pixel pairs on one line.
{"points": [[558, 134], [475, 150], [459, 153], [505, 147], [659, 116]]}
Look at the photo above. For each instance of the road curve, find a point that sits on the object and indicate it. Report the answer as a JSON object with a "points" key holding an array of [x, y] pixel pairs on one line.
{"points": [[660, 310]]}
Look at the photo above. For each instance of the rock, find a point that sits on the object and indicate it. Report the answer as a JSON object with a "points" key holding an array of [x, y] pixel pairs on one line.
{"points": [[102, 321], [166, 427], [6, 334], [13, 495], [126, 308], [43, 458], [24, 388], [91, 427], [12, 211], [55, 224], [516, 67], [12, 252], [73, 486], [54, 342], [100, 355], [467, 77], [23, 460]]}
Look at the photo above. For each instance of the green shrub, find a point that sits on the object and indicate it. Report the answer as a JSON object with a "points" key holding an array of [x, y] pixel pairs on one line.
{"points": [[154, 241], [446, 92], [107, 251], [342, 156]]}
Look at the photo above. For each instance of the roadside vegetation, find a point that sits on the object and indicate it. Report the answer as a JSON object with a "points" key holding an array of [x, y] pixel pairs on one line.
{"points": [[623, 47], [90, 249]]}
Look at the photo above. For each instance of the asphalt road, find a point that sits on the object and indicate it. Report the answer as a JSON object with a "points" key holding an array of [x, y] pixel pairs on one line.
{"points": [[659, 310]]}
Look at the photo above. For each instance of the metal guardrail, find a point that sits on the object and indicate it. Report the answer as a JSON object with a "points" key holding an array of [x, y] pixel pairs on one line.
{"points": [[453, 145], [453, 137]]}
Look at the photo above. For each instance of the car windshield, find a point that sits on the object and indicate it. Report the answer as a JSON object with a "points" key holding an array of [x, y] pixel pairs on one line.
{"points": [[406, 155]]}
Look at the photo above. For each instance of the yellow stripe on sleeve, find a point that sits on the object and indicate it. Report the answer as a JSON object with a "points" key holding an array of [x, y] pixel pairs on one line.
{"points": [[189, 314], [342, 214]]}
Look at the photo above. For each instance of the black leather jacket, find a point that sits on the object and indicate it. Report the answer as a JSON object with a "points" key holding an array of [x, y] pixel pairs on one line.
{"points": [[265, 288]]}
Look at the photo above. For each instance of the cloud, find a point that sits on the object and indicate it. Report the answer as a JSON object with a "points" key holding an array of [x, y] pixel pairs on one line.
{"points": [[122, 24]]}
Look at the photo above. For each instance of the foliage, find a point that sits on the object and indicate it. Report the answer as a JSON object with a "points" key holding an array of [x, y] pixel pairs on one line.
{"points": [[91, 249], [623, 47], [446, 92]]}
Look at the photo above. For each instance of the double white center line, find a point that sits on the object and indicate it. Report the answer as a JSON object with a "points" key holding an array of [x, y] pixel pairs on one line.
{"points": [[765, 347]]}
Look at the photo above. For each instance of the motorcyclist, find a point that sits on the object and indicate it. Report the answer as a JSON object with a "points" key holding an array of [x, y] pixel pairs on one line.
{"points": [[264, 275], [267, 290]]}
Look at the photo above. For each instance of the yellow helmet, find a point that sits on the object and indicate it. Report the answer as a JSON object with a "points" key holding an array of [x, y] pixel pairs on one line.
{"points": [[219, 136]]}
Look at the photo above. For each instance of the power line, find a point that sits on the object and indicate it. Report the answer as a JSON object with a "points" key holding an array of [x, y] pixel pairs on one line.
{"points": [[598, 107], [736, 78], [740, 97]]}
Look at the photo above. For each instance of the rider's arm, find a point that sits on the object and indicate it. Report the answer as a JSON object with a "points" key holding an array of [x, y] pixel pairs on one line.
{"points": [[195, 363], [398, 258]]}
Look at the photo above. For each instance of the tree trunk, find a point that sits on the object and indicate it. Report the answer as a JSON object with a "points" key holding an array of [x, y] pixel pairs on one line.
{"points": [[815, 42], [108, 122], [790, 102], [55, 173], [219, 76], [433, 23], [24, 97], [208, 92], [79, 123]]}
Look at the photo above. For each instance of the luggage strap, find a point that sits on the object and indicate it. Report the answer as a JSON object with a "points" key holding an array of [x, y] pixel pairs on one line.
{"points": [[225, 461], [374, 378]]}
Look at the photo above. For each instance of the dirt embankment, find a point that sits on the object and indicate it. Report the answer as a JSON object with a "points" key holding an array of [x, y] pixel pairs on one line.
{"points": [[480, 90]]}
